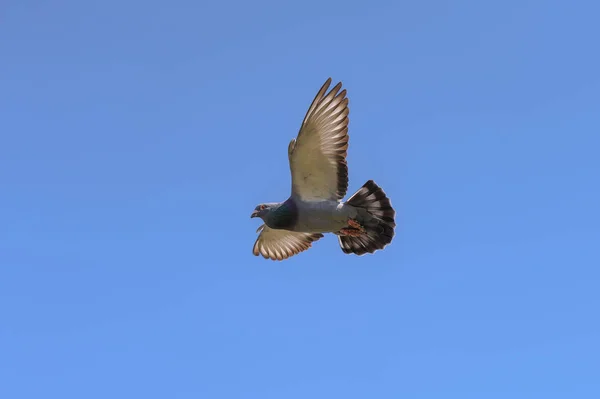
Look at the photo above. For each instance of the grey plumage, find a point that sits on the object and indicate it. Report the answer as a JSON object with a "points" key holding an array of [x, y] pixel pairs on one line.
{"points": [[317, 158], [283, 216]]}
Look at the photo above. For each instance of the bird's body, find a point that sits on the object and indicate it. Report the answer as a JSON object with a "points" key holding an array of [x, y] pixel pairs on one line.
{"points": [[364, 223], [323, 216], [311, 216]]}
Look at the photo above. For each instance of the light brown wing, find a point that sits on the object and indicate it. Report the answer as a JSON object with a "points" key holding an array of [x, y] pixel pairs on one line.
{"points": [[318, 155], [281, 244]]}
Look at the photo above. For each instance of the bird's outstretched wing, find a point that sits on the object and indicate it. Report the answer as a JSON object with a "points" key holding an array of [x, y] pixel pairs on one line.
{"points": [[281, 244], [318, 155]]}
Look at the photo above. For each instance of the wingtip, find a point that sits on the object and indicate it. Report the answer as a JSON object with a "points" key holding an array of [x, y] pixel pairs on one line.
{"points": [[325, 85]]}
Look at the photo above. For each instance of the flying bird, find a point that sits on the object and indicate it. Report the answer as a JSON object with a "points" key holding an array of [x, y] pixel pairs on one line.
{"points": [[317, 157]]}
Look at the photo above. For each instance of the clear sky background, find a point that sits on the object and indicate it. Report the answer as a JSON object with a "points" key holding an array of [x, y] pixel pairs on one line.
{"points": [[136, 137]]}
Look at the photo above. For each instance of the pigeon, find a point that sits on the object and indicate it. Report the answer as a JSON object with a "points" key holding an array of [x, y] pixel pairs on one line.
{"points": [[363, 224]]}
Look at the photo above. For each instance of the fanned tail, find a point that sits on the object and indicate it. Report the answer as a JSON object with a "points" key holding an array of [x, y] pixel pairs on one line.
{"points": [[379, 231]]}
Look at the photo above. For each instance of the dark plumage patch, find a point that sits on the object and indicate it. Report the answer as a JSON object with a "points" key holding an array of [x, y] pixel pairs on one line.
{"points": [[284, 216], [342, 178], [380, 231]]}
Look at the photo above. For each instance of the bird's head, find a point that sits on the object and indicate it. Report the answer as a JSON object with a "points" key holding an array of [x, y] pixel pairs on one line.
{"points": [[262, 210]]}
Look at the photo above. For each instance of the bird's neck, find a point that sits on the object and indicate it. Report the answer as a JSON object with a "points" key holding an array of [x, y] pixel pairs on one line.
{"points": [[284, 216]]}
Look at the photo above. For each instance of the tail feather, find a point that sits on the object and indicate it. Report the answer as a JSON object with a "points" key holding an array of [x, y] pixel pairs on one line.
{"points": [[379, 231]]}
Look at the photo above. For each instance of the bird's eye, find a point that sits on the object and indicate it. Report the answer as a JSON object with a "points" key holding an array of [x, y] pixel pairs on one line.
{"points": [[262, 207]]}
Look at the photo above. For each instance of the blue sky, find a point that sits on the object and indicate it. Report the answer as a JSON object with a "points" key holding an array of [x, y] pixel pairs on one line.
{"points": [[137, 137]]}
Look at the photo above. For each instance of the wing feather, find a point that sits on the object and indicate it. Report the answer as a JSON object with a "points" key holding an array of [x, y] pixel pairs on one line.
{"points": [[277, 244], [318, 155]]}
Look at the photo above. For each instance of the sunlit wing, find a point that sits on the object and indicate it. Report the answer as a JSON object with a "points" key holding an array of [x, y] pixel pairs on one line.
{"points": [[281, 244], [318, 155]]}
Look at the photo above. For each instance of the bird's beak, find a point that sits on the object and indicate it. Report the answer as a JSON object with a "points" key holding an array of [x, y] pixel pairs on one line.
{"points": [[254, 214]]}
